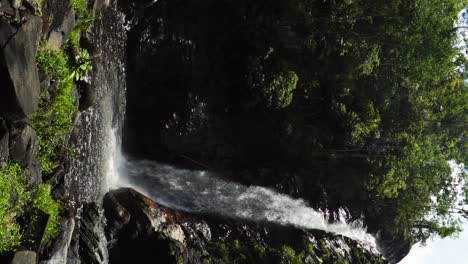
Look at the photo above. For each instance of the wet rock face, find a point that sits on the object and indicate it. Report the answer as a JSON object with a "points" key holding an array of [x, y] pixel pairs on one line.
{"points": [[18, 71], [91, 240]]}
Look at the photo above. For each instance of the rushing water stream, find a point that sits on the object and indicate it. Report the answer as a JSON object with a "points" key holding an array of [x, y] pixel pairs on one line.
{"points": [[205, 193]]}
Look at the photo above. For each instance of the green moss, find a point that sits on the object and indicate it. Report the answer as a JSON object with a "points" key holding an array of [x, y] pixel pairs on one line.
{"points": [[289, 256]]}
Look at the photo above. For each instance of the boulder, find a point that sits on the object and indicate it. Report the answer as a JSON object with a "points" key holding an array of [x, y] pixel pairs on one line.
{"points": [[23, 143], [24, 257], [138, 227], [59, 34], [18, 71]]}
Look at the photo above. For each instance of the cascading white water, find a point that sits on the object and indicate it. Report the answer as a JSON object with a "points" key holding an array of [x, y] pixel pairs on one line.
{"points": [[203, 192]]}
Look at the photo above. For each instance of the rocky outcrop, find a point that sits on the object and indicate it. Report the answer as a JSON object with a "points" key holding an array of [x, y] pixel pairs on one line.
{"points": [[137, 227], [60, 32], [23, 149], [18, 71], [23, 143], [92, 243], [24, 257], [141, 231]]}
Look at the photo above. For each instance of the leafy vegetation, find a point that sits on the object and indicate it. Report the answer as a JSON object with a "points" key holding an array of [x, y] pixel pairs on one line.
{"points": [[43, 200], [84, 23], [379, 94], [18, 199], [13, 198], [54, 119], [52, 123], [83, 66]]}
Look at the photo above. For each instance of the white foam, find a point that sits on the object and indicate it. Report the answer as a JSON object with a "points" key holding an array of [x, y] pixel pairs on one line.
{"points": [[203, 192]]}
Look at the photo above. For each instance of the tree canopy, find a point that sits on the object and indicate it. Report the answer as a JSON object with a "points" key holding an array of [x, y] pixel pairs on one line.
{"points": [[382, 83]]}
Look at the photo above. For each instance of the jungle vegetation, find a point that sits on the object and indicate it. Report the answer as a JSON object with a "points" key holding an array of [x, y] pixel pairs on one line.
{"points": [[377, 88]]}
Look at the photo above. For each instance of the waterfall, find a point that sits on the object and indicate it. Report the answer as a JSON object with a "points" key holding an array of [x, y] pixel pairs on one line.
{"points": [[203, 192]]}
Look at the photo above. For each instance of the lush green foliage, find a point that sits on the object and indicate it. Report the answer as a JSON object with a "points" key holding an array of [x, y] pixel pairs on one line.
{"points": [[52, 122], [84, 23], [83, 66], [13, 198], [43, 200], [17, 199], [380, 92], [279, 92], [54, 118]]}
